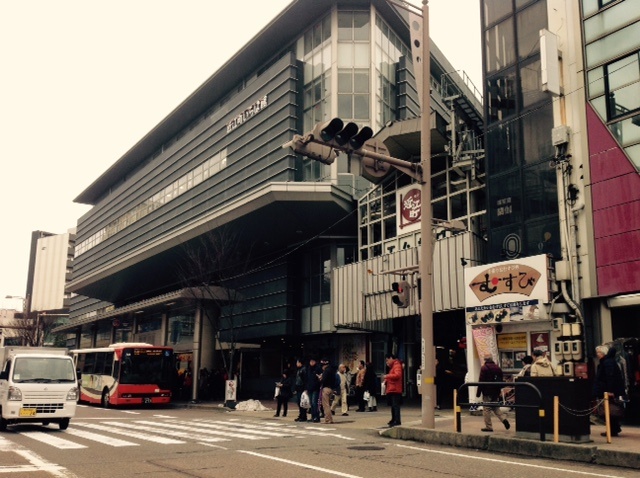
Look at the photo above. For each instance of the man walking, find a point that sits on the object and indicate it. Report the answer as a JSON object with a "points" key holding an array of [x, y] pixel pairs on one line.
{"points": [[394, 385], [341, 395], [313, 388], [327, 386], [491, 372]]}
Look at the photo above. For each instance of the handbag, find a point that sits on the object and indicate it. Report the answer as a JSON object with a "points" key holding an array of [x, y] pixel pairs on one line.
{"points": [[616, 408]]}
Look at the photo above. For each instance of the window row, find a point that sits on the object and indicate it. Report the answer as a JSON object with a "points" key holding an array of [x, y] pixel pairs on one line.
{"points": [[190, 180]]}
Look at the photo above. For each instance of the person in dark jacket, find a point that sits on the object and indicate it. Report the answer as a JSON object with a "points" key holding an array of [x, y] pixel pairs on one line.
{"points": [[327, 386], [609, 379], [313, 387], [286, 391], [371, 386], [491, 372], [300, 385]]}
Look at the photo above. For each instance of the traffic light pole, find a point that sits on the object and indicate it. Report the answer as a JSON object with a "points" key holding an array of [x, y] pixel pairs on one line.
{"points": [[427, 387], [326, 138]]}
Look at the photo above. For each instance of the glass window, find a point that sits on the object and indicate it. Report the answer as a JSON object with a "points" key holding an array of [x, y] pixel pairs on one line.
{"points": [[536, 134], [495, 10], [501, 96], [610, 20], [501, 147], [595, 78], [505, 205], [529, 22], [613, 45], [623, 86], [500, 46], [627, 132], [361, 29], [531, 87], [540, 191]]}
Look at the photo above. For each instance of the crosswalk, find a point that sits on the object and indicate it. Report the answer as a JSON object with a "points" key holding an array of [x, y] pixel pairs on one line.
{"points": [[171, 431]]}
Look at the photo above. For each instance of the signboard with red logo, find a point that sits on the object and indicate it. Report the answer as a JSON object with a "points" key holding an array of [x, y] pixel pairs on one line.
{"points": [[507, 291], [409, 209]]}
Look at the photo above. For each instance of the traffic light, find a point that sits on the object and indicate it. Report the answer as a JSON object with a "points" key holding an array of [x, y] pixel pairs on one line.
{"points": [[319, 152], [347, 138], [401, 294]]}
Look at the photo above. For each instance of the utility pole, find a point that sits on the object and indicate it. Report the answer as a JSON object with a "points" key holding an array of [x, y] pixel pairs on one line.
{"points": [[426, 247]]}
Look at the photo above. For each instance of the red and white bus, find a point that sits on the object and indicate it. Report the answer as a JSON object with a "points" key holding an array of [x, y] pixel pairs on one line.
{"points": [[125, 374]]}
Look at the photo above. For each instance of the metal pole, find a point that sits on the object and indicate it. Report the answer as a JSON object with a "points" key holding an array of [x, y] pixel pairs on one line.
{"points": [[426, 247]]}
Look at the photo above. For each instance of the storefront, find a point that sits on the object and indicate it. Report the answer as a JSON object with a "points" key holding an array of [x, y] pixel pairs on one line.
{"points": [[508, 310]]}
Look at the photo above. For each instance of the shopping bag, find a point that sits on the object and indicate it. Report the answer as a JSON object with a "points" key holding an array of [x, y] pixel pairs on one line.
{"points": [[305, 402], [366, 396], [276, 392], [383, 388]]}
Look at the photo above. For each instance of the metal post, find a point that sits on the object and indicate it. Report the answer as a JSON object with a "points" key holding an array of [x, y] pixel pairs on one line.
{"points": [[426, 247]]}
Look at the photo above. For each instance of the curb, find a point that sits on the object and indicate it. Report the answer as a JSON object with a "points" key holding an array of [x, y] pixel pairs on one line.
{"points": [[516, 446]]}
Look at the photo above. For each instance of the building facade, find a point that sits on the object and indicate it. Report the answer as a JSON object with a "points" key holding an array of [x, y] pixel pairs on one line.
{"points": [[562, 168], [208, 235]]}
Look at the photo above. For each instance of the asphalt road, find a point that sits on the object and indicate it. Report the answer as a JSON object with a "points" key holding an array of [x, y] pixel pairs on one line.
{"points": [[180, 442]]}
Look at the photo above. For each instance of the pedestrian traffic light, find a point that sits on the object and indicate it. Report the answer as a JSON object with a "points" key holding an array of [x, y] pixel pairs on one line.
{"points": [[401, 294], [347, 138], [320, 152]]}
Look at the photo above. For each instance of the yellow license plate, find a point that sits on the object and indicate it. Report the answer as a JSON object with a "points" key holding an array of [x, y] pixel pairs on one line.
{"points": [[27, 412]]}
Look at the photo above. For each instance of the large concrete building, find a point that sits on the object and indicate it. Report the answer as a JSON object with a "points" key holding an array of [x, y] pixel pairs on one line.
{"points": [[207, 234]]}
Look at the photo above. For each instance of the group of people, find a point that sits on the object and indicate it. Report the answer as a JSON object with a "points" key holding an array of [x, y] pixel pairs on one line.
{"points": [[327, 387], [609, 379]]}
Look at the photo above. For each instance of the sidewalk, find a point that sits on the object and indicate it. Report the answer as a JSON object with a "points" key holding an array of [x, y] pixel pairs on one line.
{"points": [[623, 451]]}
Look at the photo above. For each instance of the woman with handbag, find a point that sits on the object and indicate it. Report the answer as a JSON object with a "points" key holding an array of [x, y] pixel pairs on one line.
{"points": [[609, 380], [284, 392]]}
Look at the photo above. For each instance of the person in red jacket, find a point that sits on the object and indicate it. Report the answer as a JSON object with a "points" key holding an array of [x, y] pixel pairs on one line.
{"points": [[394, 381]]}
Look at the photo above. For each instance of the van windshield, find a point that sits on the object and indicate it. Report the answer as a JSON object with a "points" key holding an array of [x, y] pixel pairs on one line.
{"points": [[43, 369]]}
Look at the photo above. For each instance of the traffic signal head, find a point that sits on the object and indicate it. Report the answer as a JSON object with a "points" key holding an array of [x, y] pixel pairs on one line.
{"points": [[346, 138], [401, 294], [319, 152]]}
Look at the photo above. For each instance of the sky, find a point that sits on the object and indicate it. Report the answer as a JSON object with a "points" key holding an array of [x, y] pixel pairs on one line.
{"points": [[83, 81]]}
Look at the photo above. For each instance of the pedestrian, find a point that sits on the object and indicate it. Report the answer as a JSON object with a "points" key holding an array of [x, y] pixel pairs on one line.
{"points": [[525, 371], [491, 372], [371, 386], [327, 386], [609, 379], [285, 387], [394, 386], [313, 388], [541, 366], [300, 385], [342, 393], [359, 392]]}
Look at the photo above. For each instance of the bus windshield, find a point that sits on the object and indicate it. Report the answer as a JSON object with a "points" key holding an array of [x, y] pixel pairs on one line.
{"points": [[43, 369], [146, 366]]}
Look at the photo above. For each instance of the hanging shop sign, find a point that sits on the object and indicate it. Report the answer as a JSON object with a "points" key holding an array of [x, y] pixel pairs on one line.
{"points": [[408, 209], [508, 291], [255, 108]]}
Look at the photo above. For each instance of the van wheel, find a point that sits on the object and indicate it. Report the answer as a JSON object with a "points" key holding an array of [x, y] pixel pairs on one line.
{"points": [[105, 399], [64, 424], [3, 425]]}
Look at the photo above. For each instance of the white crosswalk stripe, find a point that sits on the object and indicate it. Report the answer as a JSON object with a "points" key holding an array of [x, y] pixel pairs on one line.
{"points": [[53, 440], [130, 433], [172, 431], [100, 438]]}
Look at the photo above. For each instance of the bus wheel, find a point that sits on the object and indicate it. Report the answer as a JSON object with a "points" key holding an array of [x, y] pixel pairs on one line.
{"points": [[44, 424], [64, 424], [3, 425], [105, 399]]}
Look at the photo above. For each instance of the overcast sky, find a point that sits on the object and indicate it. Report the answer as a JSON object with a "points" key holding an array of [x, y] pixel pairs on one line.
{"points": [[82, 81]]}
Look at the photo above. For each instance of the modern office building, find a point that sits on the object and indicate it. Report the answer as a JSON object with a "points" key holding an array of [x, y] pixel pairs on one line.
{"points": [[208, 235], [562, 161]]}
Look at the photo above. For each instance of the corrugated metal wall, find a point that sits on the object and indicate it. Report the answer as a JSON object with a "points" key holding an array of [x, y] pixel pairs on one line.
{"points": [[361, 292]]}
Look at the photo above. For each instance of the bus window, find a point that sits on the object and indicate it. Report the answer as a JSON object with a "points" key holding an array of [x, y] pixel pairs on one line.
{"points": [[89, 362], [108, 364]]}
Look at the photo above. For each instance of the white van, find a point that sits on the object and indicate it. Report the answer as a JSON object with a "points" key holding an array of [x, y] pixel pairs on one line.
{"points": [[37, 385]]}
